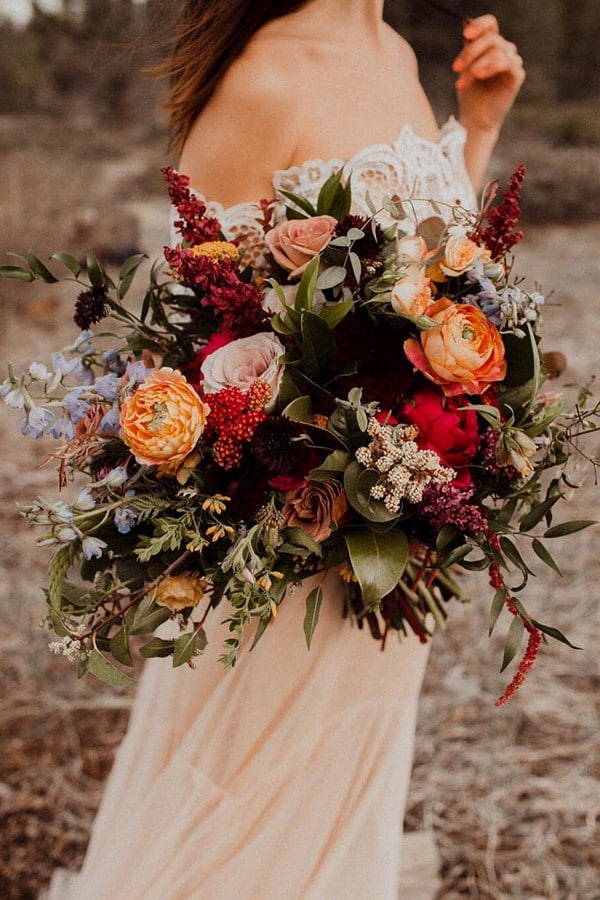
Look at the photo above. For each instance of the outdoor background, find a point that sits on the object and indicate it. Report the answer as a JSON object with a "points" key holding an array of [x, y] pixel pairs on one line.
{"points": [[512, 795]]}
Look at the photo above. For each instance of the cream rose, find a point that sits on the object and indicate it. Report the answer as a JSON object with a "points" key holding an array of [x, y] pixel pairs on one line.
{"points": [[459, 255], [411, 294], [177, 592], [241, 362], [293, 244]]}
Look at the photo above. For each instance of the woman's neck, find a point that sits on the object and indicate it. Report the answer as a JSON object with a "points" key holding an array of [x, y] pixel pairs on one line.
{"points": [[338, 19]]}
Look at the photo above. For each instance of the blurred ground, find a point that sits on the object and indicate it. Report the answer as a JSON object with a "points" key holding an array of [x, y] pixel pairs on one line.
{"points": [[512, 794]]}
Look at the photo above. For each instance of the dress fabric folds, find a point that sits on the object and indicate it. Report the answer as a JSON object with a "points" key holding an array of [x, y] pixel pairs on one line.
{"points": [[286, 777]]}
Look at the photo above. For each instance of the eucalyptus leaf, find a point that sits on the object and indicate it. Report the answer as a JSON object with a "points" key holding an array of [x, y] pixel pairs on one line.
{"points": [[569, 527], [69, 261], [513, 641], [157, 647], [299, 410], [311, 618], [104, 670], [358, 482], [331, 277], [545, 555], [119, 647], [147, 616], [336, 463], [498, 604], [556, 634], [188, 645], [39, 269]]}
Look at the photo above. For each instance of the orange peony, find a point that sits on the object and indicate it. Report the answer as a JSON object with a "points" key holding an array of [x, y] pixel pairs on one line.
{"points": [[177, 592], [163, 420], [463, 353]]}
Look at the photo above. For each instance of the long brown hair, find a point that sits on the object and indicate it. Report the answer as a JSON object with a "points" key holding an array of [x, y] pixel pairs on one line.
{"points": [[209, 36]]}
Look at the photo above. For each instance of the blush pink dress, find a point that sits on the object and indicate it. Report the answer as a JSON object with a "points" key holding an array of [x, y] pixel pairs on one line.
{"points": [[287, 776]]}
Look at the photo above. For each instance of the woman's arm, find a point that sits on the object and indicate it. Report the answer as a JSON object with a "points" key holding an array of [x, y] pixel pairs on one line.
{"points": [[490, 74]]}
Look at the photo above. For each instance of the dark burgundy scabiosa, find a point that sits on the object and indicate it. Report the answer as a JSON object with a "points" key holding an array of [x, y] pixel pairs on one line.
{"points": [[276, 444], [194, 225], [91, 306], [501, 233], [368, 247]]}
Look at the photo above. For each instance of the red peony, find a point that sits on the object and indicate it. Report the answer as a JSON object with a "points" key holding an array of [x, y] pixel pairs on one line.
{"points": [[445, 428]]}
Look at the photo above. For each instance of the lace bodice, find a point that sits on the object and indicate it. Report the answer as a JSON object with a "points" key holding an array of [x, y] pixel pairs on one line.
{"points": [[411, 166]]}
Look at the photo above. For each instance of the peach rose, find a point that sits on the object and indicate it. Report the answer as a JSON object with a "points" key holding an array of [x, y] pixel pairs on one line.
{"points": [[411, 294], [163, 420], [411, 248], [177, 592], [293, 244], [459, 255], [239, 363], [313, 509], [463, 353]]}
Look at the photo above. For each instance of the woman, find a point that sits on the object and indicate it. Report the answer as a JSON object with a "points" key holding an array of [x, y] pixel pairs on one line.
{"points": [[287, 777]]}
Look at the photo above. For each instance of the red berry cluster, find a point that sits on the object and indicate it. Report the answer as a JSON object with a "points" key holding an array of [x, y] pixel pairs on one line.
{"points": [[194, 226], [502, 233], [233, 417], [237, 303]]}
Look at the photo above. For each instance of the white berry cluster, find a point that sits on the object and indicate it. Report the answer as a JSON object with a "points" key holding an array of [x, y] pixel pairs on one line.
{"points": [[405, 470], [72, 649]]}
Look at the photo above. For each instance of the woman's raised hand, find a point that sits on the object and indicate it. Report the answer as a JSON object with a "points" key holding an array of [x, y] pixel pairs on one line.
{"points": [[490, 74]]}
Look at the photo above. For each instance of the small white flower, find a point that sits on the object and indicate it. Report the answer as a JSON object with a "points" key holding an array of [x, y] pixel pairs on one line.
{"points": [[92, 546], [39, 372], [65, 534], [115, 478], [84, 501]]}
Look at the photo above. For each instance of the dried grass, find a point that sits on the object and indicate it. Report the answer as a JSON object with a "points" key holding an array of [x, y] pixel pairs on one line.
{"points": [[512, 794]]}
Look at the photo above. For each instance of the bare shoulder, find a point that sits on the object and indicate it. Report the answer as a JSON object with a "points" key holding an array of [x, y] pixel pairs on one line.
{"points": [[402, 50], [247, 130]]}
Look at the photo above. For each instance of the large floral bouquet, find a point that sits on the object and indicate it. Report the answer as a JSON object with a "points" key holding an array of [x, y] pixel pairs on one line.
{"points": [[367, 401]]}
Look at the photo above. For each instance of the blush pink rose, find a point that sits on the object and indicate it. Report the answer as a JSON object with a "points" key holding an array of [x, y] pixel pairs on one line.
{"points": [[239, 363], [293, 244]]}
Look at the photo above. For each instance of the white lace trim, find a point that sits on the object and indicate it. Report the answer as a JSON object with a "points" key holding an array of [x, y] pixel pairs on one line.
{"points": [[410, 167]]}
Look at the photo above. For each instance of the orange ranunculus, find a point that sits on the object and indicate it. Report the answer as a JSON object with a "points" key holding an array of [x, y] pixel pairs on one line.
{"points": [[162, 421], [463, 352], [177, 592]]}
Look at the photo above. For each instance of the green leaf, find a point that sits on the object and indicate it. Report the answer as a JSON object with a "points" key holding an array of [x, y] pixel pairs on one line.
{"points": [[39, 269], [57, 572], [96, 271], [497, 606], [520, 356], [357, 484], [311, 618], [157, 647], [299, 540], [119, 647], [331, 277], [262, 626], [447, 534], [378, 560], [328, 195], [544, 555], [306, 288], [127, 273], [104, 670], [431, 230], [569, 527], [538, 512], [301, 202], [556, 634], [147, 616], [513, 641], [336, 463], [69, 261], [299, 410], [16, 273], [186, 646], [318, 345], [511, 552], [334, 314]]}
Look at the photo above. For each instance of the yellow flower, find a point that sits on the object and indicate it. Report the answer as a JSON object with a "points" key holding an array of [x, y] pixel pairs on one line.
{"points": [[215, 504], [217, 250], [347, 574], [178, 592], [216, 532], [163, 420]]}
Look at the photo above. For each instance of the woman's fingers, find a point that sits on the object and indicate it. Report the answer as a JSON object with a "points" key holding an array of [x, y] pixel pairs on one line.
{"points": [[474, 28], [476, 48], [488, 56]]}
